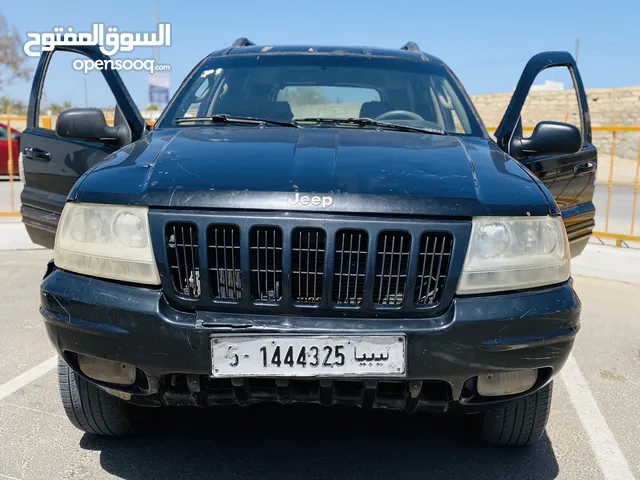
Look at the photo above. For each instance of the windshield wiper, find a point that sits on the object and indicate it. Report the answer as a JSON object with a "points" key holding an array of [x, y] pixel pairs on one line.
{"points": [[364, 121], [224, 118]]}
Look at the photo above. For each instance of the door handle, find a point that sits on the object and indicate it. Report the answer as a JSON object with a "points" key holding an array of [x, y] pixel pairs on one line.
{"points": [[584, 168], [36, 154]]}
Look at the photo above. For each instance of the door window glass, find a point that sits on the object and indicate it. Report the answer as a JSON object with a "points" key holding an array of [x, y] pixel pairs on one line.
{"points": [[553, 97], [64, 88]]}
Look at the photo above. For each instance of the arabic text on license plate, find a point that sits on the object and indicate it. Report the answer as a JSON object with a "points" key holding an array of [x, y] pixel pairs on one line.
{"points": [[308, 356]]}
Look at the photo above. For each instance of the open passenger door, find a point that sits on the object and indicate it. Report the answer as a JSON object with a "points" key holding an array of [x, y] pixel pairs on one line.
{"points": [[52, 164], [570, 177]]}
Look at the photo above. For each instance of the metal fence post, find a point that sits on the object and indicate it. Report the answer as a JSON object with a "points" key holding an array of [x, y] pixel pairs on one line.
{"points": [[636, 187], [10, 160], [610, 181]]}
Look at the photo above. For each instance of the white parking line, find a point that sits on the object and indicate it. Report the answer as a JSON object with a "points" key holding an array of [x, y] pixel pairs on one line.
{"points": [[27, 377], [603, 443]]}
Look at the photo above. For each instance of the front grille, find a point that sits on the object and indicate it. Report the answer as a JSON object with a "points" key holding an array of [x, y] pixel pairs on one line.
{"points": [[266, 263], [295, 263], [183, 257], [224, 262], [433, 264], [307, 263], [392, 265], [350, 267]]}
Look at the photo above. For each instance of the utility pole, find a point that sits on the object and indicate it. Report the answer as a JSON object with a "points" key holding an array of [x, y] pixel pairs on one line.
{"points": [[86, 95], [155, 19], [577, 49]]}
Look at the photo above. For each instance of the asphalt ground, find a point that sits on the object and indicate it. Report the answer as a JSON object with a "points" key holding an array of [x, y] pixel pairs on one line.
{"points": [[592, 434]]}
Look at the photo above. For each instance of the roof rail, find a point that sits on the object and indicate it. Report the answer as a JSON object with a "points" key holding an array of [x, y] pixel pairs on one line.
{"points": [[411, 47], [243, 42]]}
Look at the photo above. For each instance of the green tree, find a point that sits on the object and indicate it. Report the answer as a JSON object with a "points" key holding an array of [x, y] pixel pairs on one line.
{"points": [[57, 108], [13, 62], [15, 107]]}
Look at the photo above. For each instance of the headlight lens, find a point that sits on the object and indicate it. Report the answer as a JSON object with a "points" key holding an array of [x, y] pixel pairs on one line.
{"points": [[109, 241], [511, 253]]}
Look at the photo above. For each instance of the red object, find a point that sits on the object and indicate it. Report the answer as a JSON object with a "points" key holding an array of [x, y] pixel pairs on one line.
{"points": [[4, 150]]}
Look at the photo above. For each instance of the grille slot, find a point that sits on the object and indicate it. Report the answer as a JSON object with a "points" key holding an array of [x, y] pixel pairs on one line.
{"points": [[392, 264], [350, 264], [266, 263], [433, 266], [223, 242], [182, 254], [307, 264]]}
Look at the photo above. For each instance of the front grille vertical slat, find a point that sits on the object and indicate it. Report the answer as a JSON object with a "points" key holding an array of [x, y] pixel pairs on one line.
{"points": [[398, 269], [183, 258], [224, 251], [440, 257], [179, 288], [308, 257], [233, 265], [435, 251], [308, 254], [275, 284], [424, 264], [349, 267], [299, 263], [389, 278], [315, 268], [358, 261], [384, 253], [389, 287], [266, 264], [216, 246], [258, 263]]}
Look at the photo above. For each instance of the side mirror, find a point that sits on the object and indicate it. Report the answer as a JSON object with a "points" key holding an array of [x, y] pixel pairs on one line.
{"points": [[87, 124], [548, 138]]}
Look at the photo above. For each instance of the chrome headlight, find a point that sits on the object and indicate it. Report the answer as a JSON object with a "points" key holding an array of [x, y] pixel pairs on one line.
{"points": [[109, 241], [512, 253]]}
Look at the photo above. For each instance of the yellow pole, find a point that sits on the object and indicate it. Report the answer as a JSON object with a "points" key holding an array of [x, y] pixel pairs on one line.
{"points": [[610, 181], [636, 186], [10, 159]]}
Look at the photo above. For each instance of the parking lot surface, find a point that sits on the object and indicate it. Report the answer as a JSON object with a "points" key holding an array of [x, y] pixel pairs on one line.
{"points": [[593, 432]]}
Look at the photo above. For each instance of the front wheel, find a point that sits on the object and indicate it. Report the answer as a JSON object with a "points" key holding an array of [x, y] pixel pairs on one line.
{"points": [[518, 423], [91, 409]]}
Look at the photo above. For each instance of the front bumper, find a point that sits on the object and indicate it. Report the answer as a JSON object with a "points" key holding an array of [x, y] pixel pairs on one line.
{"points": [[476, 335]]}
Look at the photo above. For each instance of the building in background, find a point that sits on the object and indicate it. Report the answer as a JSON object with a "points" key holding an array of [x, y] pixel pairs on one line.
{"points": [[159, 89]]}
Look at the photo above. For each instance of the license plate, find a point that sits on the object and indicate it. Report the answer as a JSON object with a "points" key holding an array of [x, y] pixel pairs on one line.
{"points": [[308, 356]]}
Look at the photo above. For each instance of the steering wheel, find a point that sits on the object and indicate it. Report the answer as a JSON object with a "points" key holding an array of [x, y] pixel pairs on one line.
{"points": [[399, 114]]}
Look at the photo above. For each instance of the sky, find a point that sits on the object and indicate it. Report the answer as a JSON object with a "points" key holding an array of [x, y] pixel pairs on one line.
{"points": [[486, 43]]}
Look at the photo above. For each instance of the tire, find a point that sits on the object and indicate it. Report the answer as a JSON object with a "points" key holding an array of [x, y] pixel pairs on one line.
{"points": [[518, 423], [91, 409]]}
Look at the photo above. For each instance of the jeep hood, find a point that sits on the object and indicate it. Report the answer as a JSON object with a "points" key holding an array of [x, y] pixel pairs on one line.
{"points": [[362, 170]]}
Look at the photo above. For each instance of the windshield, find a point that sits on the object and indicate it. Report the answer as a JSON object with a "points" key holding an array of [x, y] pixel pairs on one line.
{"points": [[307, 88]]}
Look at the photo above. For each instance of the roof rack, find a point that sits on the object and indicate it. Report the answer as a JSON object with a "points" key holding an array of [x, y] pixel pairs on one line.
{"points": [[243, 42], [411, 47]]}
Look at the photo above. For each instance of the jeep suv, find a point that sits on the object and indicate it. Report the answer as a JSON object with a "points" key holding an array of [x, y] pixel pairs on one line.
{"points": [[310, 224]]}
